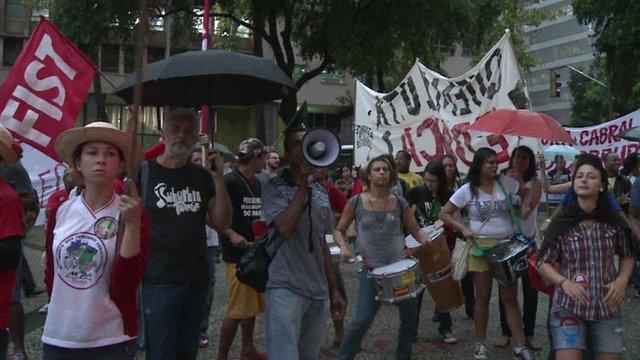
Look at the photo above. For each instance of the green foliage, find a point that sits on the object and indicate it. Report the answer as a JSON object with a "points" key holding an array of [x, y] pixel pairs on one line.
{"points": [[590, 106], [616, 25], [493, 17]]}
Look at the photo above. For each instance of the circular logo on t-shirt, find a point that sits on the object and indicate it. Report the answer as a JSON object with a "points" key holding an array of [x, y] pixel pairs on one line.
{"points": [[105, 227], [81, 260]]}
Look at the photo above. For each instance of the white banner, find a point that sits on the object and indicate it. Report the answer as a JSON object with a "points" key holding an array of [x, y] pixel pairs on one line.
{"points": [[602, 139], [428, 114]]}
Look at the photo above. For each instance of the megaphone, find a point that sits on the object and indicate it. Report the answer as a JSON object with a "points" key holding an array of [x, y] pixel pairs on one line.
{"points": [[320, 147]]}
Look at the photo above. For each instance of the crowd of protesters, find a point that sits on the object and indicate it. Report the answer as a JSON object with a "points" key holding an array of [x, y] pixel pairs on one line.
{"points": [[130, 264]]}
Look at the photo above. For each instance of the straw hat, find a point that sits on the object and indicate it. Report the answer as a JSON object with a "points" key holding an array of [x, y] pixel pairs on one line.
{"points": [[7, 153], [69, 140]]}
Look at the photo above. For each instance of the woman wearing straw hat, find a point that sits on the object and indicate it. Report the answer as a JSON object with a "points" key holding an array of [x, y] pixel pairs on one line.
{"points": [[97, 255], [11, 235]]}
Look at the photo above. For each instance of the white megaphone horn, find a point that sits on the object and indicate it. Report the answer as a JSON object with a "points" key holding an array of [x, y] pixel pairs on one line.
{"points": [[320, 147]]}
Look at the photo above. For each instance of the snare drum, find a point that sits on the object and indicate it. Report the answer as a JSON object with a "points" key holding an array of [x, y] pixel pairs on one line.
{"points": [[398, 281], [435, 260]]}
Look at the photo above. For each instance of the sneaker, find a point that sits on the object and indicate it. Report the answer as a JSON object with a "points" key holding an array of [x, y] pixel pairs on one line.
{"points": [[44, 309], [448, 338], [521, 353], [359, 258], [19, 355], [203, 342], [637, 294], [481, 352]]}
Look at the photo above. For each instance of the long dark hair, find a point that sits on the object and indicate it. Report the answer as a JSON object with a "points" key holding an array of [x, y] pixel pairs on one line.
{"points": [[572, 214], [437, 169], [630, 162], [479, 158], [530, 174]]}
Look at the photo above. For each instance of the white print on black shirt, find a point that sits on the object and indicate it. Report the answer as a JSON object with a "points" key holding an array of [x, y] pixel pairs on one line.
{"points": [[184, 200], [251, 206]]}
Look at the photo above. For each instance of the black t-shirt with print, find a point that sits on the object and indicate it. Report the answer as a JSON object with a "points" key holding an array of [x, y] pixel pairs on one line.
{"points": [[177, 203], [428, 207], [247, 206]]}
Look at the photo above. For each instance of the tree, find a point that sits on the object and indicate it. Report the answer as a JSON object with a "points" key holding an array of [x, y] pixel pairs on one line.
{"points": [[590, 105], [617, 30], [493, 17]]}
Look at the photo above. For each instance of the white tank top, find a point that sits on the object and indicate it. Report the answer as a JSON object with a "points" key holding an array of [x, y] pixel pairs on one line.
{"points": [[81, 313]]}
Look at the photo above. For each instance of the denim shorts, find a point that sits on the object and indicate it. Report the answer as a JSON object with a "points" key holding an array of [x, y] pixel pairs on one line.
{"points": [[571, 332]]}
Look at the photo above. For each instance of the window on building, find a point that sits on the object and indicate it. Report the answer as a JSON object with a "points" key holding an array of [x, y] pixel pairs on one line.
{"points": [[14, 9], [12, 48], [110, 58], [328, 121], [331, 76], [154, 54], [41, 8]]}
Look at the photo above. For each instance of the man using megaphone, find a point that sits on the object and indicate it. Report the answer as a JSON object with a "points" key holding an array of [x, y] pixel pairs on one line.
{"points": [[301, 276]]}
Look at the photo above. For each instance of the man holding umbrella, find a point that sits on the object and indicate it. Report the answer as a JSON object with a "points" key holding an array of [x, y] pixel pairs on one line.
{"points": [[301, 277], [180, 197]]}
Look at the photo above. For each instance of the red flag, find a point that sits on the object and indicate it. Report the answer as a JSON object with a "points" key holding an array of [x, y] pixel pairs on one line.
{"points": [[45, 89]]}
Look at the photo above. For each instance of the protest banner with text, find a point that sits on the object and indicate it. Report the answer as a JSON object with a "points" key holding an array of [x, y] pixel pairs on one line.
{"points": [[42, 97]]}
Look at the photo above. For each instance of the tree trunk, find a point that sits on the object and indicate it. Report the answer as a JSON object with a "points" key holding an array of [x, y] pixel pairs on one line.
{"points": [[101, 112], [288, 107], [380, 77], [261, 131]]}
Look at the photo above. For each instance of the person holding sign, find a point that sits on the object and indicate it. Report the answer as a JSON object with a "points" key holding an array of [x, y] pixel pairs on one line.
{"points": [[98, 252], [11, 235]]}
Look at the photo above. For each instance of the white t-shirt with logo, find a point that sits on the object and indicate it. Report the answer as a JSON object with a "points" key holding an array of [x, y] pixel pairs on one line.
{"points": [[81, 313], [488, 213]]}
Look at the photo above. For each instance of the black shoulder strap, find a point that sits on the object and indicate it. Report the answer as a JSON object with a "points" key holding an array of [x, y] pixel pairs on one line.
{"points": [[144, 178]]}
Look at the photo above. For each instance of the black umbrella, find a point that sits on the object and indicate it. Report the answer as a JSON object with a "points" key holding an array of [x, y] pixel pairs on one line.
{"points": [[211, 77]]}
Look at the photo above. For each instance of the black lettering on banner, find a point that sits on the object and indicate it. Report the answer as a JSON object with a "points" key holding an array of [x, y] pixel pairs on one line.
{"points": [[480, 82], [460, 95], [427, 85], [472, 92], [494, 86], [385, 138], [381, 117], [364, 137], [412, 109], [449, 100]]}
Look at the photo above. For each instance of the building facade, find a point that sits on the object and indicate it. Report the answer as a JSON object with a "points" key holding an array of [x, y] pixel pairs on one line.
{"points": [[556, 43]]}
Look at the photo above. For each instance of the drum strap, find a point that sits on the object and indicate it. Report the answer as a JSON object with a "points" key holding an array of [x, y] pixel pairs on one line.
{"points": [[515, 219]]}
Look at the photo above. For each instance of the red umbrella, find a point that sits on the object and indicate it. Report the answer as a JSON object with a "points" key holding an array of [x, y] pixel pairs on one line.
{"points": [[522, 123]]}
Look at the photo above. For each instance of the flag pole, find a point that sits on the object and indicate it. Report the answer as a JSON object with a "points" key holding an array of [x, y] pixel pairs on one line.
{"points": [[204, 110]]}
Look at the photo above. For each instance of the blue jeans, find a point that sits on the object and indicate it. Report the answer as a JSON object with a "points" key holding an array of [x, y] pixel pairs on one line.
{"points": [[122, 351], [296, 325], [172, 315], [571, 332], [366, 312], [211, 258]]}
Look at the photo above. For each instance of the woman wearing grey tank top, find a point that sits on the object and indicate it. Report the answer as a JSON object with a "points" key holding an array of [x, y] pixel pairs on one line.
{"points": [[380, 218]]}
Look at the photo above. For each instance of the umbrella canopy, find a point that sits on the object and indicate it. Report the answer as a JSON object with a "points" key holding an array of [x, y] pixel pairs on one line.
{"points": [[522, 123], [211, 77], [633, 134], [568, 153]]}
